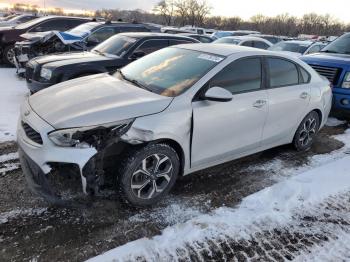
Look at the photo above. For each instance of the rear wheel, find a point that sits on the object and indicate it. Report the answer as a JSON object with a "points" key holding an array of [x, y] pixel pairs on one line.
{"points": [[306, 132], [8, 55], [148, 174]]}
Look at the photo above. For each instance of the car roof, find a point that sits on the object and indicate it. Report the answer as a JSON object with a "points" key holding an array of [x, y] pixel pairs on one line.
{"points": [[155, 35], [221, 49], [246, 37], [189, 34], [308, 42]]}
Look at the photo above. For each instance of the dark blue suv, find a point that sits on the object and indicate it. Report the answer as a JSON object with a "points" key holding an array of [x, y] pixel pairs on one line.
{"points": [[333, 62]]}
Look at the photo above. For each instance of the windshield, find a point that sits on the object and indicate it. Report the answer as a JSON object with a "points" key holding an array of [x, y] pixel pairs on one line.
{"points": [[31, 23], [116, 45], [225, 40], [340, 45], [291, 47], [83, 29], [169, 71]]}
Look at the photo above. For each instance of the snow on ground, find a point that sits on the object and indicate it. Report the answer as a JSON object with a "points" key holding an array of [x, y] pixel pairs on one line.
{"points": [[334, 122], [275, 205], [334, 250], [12, 94], [4, 217]]}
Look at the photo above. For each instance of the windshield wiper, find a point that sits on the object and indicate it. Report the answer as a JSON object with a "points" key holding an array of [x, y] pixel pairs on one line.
{"points": [[329, 51], [134, 81]]}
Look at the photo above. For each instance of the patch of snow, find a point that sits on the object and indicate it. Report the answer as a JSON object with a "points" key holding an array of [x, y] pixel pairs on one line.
{"points": [[8, 157], [13, 92], [6, 216], [331, 121], [7, 167], [169, 215], [269, 207]]}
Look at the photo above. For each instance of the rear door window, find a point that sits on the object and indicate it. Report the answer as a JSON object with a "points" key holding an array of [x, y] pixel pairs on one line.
{"points": [[248, 43], [282, 72], [261, 45]]}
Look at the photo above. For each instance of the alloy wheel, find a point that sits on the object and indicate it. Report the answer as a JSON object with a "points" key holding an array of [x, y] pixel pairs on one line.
{"points": [[308, 131], [152, 176]]}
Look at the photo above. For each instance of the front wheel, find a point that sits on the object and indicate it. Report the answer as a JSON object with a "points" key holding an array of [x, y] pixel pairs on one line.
{"points": [[8, 55], [148, 174], [306, 132]]}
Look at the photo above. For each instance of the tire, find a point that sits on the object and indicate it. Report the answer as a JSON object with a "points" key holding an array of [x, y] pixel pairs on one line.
{"points": [[306, 132], [7, 54], [147, 174]]}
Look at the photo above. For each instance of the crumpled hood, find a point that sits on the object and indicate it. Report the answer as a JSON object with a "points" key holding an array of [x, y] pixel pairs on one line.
{"points": [[336, 59], [38, 36], [94, 100]]}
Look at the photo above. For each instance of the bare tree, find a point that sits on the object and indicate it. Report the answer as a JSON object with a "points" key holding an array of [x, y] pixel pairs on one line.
{"points": [[166, 9]]}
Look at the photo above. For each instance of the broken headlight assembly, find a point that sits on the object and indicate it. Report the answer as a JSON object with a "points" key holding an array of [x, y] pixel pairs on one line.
{"points": [[91, 136]]}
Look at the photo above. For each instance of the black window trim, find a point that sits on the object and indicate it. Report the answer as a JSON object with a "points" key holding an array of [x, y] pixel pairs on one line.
{"points": [[298, 66], [263, 83]]}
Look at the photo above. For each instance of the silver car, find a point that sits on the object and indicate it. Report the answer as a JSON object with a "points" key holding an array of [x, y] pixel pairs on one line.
{"points": [[169, 114]]}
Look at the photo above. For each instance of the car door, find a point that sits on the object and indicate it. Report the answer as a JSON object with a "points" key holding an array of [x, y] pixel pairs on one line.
{"points": [[288, 99], [223, 130]]}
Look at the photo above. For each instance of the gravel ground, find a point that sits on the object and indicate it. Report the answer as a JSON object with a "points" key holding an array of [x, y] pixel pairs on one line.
{"points": [[31, 230]]}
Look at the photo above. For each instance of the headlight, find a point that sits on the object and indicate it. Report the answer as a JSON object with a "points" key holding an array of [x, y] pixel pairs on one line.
{"points": [[46, 73], [346, 81], [89, 136]]}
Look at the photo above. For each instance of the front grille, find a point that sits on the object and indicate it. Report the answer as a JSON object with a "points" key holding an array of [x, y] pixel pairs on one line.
{"points": [[32, 134], [331, 73]]}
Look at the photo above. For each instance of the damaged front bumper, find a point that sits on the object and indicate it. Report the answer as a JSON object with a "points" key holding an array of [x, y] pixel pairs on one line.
{"points": [[37, 152]]}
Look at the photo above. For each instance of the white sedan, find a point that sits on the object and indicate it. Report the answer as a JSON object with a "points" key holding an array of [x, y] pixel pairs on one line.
{"points": [[250, 41], [169, 114]]}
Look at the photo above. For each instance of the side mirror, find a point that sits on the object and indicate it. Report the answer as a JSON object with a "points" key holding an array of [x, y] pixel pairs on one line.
{"points": [[218, 94], [137, 55]]}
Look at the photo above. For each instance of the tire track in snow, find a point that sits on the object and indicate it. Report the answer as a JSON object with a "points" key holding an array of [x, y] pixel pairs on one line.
{"points": [[275, 224]]}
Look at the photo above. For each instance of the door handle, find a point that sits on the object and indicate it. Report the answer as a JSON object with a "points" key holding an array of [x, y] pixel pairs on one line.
{"points": [[259, 103], [304, 95]]}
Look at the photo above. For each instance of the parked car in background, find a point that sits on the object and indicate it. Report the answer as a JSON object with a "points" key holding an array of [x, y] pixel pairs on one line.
{"points": [[10, 35], [114, 53], [220, 34], [171, 113], [83, 37], [200, 38], [273, 39], [18, 19], [298, 47], [173, 30], [333, 62], [250, 41]]}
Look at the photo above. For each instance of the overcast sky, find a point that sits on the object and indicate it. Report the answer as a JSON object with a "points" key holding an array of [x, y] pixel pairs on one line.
{"points": [[244, 8]]}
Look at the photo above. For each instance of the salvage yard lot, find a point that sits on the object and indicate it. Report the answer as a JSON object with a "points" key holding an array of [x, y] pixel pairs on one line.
{"points": [[302, 212]]}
